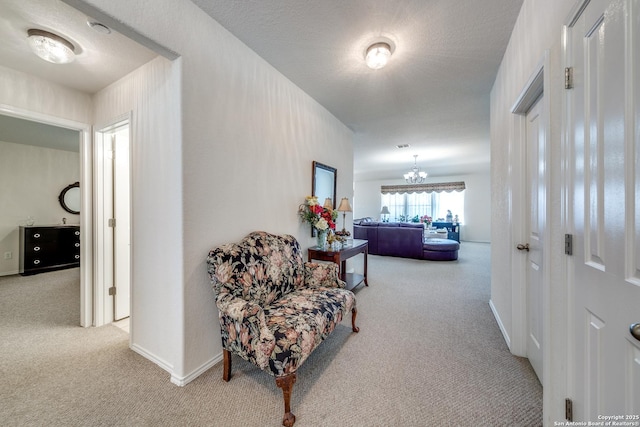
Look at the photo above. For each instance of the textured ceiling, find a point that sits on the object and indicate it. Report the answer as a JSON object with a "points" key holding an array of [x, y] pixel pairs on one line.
{"points": [[433, 94], [100, 59]]}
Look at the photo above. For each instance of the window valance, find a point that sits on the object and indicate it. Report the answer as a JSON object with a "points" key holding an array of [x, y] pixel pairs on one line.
{"points": [[423, 188]]}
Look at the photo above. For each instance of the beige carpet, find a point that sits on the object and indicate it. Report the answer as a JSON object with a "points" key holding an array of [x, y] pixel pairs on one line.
{"points": [[429, 353]]}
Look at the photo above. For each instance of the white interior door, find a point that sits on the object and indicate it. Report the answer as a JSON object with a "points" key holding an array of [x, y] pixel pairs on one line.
{"points": [[604, 132], [122, 229], [535, 176], [113, 238]]}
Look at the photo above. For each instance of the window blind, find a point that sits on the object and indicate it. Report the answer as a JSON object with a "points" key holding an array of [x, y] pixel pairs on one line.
{"points": [[423, 188]]}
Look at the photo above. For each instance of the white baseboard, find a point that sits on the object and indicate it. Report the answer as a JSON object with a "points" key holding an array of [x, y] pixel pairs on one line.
{"points": [[179, 381], [152, 357], [9, 273], [500, 325], [182, 381]]}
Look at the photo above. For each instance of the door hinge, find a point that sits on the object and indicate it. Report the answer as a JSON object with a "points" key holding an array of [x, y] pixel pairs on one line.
{"points": [[568, 78], [112, 291], [112, 222], [568, 409], [568, 244]]}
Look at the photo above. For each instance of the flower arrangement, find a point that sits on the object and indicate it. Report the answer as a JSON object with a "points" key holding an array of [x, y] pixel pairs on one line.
{"points": [[426, 219], [319, 217]]}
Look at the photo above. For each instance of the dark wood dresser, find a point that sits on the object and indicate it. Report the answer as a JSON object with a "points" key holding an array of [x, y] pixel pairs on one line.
{"points": [[48, 248]]}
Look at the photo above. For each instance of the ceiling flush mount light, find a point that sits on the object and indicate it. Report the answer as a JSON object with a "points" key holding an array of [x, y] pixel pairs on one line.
{"points": [[378, 55], [415, 176], [51, 47]]}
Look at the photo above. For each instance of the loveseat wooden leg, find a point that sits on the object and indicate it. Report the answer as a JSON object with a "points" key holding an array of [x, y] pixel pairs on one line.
{"points": [[354, 312], [226, 371], [286, 384]]}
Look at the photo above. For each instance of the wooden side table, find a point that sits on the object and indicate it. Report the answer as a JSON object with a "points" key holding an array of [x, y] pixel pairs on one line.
{"points": [[340, 256]]}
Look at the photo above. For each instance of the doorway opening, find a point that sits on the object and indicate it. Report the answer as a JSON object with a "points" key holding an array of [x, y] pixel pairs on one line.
{"points": [[86, 206], [112, 164]]}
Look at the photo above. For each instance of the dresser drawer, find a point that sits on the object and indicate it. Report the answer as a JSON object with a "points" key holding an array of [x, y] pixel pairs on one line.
{"points": [[48, 248]]}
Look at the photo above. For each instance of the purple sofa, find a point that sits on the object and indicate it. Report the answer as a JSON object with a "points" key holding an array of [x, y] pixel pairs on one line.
{"points": [[404, 240]]}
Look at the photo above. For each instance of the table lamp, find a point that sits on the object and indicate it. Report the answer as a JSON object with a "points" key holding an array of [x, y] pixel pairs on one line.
{"points": [[344, 208], [328, 204], [385, 211]]}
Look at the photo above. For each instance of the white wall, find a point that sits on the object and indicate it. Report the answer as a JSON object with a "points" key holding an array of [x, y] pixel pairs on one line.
{"points": [[150, 94], [477, 211], [248, 139], [23, 91], [32, 178], [538, 29]]}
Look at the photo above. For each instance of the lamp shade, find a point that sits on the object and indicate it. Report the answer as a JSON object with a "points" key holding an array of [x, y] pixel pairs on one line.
{"points": [[344, 205], [385, 211], [328, 204]]}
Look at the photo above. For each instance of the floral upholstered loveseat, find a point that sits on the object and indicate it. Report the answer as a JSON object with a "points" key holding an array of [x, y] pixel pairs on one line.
{"points": [[274, 308]]}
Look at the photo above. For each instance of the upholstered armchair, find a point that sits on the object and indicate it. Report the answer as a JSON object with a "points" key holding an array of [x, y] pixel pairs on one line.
{"points": [[274, 308]]}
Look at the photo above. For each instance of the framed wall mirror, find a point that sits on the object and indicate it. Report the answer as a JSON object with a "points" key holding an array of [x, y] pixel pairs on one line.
{"points": [[70, 198], [324, 183]]}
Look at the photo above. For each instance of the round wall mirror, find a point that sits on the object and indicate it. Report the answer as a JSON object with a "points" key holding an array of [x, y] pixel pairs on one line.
{"points": [[70, 198]]}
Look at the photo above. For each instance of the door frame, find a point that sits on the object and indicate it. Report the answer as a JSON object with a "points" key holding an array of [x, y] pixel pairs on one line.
{"points": [[104, 304], [536, 86], [540, 83], [86, 200], [567, 177]]}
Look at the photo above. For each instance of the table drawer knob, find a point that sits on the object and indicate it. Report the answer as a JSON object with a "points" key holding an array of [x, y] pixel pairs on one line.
{"points": [[36, 261]]}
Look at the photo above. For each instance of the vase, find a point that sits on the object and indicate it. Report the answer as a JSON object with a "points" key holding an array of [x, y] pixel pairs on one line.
{"points": [[321, 238]]}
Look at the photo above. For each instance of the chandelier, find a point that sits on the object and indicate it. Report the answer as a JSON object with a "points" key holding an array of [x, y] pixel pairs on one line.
{"points": [[415, 176]]}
